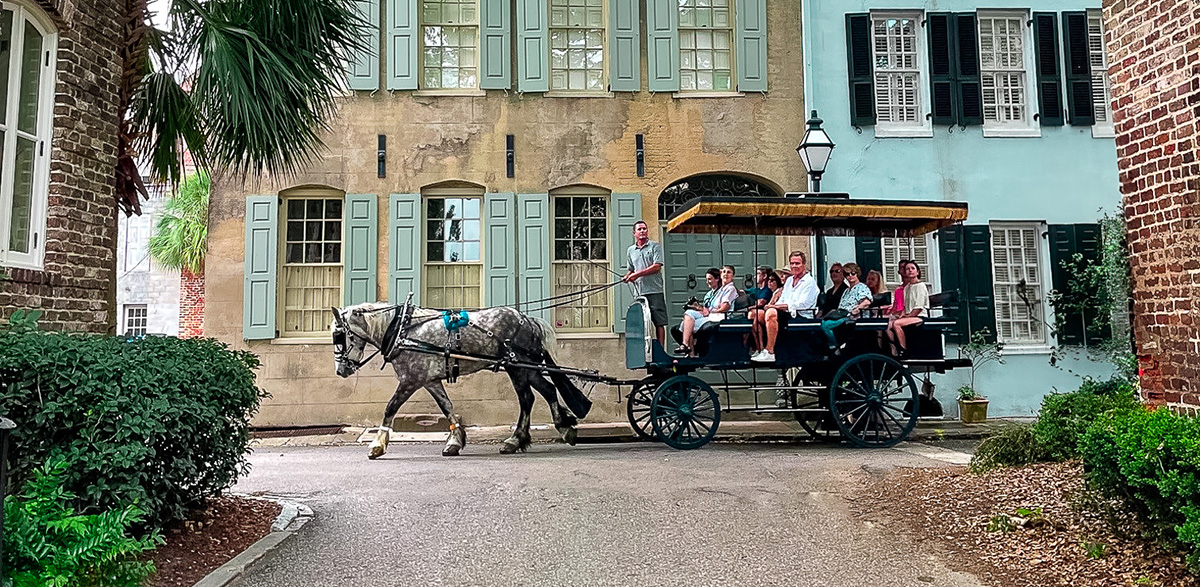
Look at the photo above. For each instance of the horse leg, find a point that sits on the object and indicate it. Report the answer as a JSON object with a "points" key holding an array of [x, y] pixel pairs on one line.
{"points": [[564, 421], [379, 446], [458, 435], [520, 439]]}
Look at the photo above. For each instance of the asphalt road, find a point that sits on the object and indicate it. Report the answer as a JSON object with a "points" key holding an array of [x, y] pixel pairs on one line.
{"points": [[615, 514]]}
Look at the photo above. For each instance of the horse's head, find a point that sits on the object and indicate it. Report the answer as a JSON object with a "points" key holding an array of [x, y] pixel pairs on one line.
{"points": [[349, 343]]}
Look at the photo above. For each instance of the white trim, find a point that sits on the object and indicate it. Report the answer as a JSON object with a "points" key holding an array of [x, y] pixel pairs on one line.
{"points": [[706, 94], [923, 127], [578, 94], [1029, 128], [448, 93], [1102, 129]]}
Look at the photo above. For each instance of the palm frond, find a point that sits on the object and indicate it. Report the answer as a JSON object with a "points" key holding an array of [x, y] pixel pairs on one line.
{"points": [[180, 239]]}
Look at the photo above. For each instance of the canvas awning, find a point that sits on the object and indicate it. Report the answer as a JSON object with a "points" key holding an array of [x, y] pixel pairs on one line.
{"points": [[808, 214]]}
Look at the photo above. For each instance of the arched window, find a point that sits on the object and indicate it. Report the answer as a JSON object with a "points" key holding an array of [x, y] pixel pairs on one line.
{"points": [[26, 123], [674, 196], [311, 266]]}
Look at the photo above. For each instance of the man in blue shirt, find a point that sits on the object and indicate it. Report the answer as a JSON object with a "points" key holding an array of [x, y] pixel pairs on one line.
{"points": [[644, 262]]}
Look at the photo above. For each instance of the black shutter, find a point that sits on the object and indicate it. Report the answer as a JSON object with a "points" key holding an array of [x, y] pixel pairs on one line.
{"points": [[1049, 78], [970, 93], [977, 264], [1088, 243], [1063, 248], [941, 67], [862, 87], [950, 256], [1079, 69], [868, 253]]}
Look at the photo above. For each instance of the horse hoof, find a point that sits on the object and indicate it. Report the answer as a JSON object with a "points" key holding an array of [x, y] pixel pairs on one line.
{"points": [[508, 449], [570, 436], [376, 452], [450, 451]]}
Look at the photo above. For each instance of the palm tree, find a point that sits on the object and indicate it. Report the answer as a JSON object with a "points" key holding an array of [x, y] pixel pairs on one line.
{"points": [[180, 242]]}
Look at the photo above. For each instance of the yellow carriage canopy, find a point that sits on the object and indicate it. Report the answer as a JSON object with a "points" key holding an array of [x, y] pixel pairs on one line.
{"points": [[825, 214]]}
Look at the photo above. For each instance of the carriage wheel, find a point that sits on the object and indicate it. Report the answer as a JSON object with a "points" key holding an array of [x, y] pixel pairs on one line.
{"points": [[820, 426], [874, 401], [685, 412], [637, 408]]}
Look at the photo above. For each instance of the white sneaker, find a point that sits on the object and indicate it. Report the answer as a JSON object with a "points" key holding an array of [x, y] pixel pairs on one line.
{"points": [[764, 357], [754, 355]]}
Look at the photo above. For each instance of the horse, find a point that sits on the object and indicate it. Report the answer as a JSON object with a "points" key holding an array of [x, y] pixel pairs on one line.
{"points": [[501, 335]]}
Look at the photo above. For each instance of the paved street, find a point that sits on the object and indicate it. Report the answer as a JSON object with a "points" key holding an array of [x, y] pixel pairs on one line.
{"points": [[609, 514]]}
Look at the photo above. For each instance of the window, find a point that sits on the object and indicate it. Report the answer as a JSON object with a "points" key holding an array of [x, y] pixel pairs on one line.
{"points": [[1004, 63], [311, 276], [577, 45], [137, 242], [898, 54], [1018, 284], [135, 320], [453, 260], [26, 113], [895, 249], [705, 45], [581, 260], [1101, 101], [450, 29]]}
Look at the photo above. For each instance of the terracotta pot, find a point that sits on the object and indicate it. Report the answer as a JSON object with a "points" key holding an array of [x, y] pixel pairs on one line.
{"points": [[972, 411]]}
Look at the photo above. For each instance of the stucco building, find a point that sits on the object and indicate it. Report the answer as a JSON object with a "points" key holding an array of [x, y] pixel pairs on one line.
{"points": [[148, 296]]}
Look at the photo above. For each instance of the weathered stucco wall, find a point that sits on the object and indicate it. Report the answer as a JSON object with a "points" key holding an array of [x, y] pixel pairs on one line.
{"points": [[558, 142]]}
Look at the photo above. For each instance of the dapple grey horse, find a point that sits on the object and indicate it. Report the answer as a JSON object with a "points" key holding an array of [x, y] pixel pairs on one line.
{"points": [[494, 332]]}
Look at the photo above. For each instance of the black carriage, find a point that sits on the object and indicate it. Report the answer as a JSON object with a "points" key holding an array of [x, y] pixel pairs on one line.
{"points": [[857, 393]]}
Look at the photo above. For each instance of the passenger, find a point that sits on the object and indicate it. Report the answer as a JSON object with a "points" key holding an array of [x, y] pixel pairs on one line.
{"points": [[797, 299], [874, 281], [916, 307], [856, 299], [834, 296], [716, 304], [758, 312], [896, 309]]}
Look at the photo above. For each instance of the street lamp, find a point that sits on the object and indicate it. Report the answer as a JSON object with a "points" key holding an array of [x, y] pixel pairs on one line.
{"points": [[814, 150]]}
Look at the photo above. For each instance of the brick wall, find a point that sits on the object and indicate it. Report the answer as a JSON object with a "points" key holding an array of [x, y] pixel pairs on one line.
{"points": [[1154, 56], [191, 304], [76, 287]]}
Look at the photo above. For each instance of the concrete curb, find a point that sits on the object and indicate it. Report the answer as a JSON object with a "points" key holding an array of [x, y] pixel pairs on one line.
{"points": [[293, 517]]}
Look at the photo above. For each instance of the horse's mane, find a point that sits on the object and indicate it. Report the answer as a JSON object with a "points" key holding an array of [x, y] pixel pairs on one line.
{"points": [[376, 322]]}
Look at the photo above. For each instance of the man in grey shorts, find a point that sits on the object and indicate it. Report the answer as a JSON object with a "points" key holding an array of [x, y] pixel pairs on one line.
{"points": [[645, 262]]}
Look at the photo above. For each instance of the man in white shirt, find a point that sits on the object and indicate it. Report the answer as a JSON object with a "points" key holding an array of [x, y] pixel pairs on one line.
{"points": [[798, 300]]}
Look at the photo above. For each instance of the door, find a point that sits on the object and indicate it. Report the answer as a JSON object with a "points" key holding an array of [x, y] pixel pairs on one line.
{"points": [[690, 255]]}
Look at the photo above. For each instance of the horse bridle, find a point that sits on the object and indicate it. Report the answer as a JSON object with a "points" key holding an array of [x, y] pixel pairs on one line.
{"points": [[339, 342]]}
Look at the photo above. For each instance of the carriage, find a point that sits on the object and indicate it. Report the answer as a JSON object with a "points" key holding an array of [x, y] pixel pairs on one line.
{"points": [[859, 393]]}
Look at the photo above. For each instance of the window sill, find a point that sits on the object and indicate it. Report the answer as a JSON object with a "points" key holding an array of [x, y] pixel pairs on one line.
{"points": [[1026, 349], [903, 133], [577, 94], [1103, 132], [586, 335], [689, 94], [302, 340], [1019, 133], [450, 93], [18, 265]]}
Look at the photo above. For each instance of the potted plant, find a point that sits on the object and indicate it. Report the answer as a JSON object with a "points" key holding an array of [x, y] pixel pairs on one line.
{"points": [[981, 350]]}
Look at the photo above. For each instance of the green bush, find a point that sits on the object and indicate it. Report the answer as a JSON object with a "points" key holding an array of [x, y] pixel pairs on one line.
{"points": [[1064, 417], [1150, 461], [47, 544], [159, 422], [1012, 446]]}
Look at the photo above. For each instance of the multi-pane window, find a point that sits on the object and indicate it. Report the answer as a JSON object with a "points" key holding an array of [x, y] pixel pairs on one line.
{"points": [[1017, 272], [1003, 70], [897, 70], [450, 32], [1101, 105], [453, 259], [581, 261], [26, 110], [897, 249], [577, 45], [311, 276], [135, 320], [137, 242], [706, 45]]}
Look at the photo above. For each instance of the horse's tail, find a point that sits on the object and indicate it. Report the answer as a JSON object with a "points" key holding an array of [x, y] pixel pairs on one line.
{"points": [[571, 395]]}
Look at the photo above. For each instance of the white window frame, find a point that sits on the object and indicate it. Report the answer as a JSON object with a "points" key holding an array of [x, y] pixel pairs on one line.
{"points": [[1043, 271], [125, 319], [452, 193], [282, 263], [923, 127], [1102, 129], [1029, 128], [603, 90], [44, 127], [422, 89], [580, 192], [733, 73]]}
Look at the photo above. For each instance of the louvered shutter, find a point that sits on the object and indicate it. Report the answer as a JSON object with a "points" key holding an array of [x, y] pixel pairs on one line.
{"points": [[977, 269], [941, 67], [1079, 69], [495, 45], [751, 16], [363, 67], [402, 44], [969, 99], [533, 251], [361, 249], [1049, 78], [1088, 243], [533, 46], [627, 209], [404, 247], [1063, 249], [868, 252], [258, 292], [859, 66], [950, 252], [625, 50], [500, 249], [662, 45]]}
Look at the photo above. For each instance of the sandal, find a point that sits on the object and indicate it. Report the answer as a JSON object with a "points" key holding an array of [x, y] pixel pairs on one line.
{"points": [[683, 350]]}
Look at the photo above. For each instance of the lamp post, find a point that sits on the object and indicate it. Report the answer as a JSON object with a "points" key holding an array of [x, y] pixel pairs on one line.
{"points": [[814, 151]]}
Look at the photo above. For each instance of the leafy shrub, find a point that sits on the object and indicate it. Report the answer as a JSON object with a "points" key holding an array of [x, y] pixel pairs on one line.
{"points": [[47, 544], [160, 422], [1064, 417], [1012, 446], [1150, 461]]}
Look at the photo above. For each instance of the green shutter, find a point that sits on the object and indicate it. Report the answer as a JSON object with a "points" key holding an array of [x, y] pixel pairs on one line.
{"points": [[363, 70], [500, 250], [662, 45], [1079, 69], [258, 293], [402, 44], [969, 85], [977, 268], [627, 210], [361, 249], [868, 253], [625, 47], [495, 47], [859, 66], [751, 16], [950, 257], [404, 247], [1088, 243], [941, 67], [533, 251], [1063, 249], [533, 47], [1049, 78]]}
